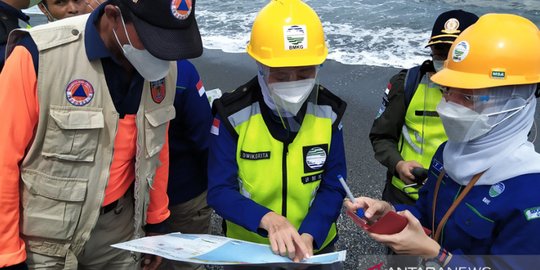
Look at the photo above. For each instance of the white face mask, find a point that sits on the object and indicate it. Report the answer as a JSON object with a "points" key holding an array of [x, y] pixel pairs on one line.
{"points": [[462, 124], [438, 65], [291, 95], [150, 67]]}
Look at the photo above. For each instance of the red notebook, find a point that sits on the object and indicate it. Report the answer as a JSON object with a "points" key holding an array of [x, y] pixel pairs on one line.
{"points": [[391, 223]]}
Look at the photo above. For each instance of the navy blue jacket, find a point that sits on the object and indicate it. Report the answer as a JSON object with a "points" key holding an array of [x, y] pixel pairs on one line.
{"points": [[500, 219], [9, 20], [188, 137]]}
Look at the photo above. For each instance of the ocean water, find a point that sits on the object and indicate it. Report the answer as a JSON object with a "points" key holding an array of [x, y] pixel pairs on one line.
{"points": [[359, 32]]}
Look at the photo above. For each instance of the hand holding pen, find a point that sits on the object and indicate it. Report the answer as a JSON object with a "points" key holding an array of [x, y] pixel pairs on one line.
{"points": [[359, 212]]}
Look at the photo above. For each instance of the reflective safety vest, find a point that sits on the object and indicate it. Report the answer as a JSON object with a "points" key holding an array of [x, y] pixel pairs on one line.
{"points": [[282, 176], [422, 132]]}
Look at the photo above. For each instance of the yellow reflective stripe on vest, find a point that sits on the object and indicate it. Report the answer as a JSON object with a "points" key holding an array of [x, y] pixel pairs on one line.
{"points": [[260, 158], [422, 133]]}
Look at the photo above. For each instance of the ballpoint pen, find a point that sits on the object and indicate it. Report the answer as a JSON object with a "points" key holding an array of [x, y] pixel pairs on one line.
{"points": [[359, 211]]}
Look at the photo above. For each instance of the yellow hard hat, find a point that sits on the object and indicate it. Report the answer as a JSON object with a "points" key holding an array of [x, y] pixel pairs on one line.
{"points": [[498, 50], [287, 33]]}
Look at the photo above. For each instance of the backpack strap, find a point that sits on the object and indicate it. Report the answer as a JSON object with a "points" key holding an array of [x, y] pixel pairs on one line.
{"points": [[413, 78]]}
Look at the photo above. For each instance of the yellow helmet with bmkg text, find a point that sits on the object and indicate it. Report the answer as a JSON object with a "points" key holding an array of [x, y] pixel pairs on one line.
{"points": [[498, 50], [287, 33]]}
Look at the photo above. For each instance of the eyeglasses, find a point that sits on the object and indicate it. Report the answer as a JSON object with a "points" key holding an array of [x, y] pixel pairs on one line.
{"points": [[292, 73], [457, 96]]}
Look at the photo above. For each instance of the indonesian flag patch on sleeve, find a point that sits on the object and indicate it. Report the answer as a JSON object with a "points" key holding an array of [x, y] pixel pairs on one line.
{"points": [[200, 88], [215, 127]]}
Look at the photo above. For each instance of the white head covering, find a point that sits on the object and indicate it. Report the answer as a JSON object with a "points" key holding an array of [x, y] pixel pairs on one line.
{"points": [[266, 92], [503, 152], [285, 116]]}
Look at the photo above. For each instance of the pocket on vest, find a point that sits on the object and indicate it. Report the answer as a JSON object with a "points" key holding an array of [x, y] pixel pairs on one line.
{"points": [[73, 134], [156, 128], [51, 206]]}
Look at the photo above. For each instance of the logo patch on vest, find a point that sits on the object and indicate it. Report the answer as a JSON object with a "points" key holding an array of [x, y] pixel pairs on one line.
{"points": [[254, 156], [157, 89], [314, 157], [79, 92], [311, 178], [532, 213]]}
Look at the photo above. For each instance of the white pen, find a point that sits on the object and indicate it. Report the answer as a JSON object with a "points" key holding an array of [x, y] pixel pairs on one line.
{"points": [[346, 187], [359, 211]]}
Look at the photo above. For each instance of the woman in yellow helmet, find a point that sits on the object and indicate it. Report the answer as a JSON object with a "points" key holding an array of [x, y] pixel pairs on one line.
{"points": [[481, 194], [277, 144]]}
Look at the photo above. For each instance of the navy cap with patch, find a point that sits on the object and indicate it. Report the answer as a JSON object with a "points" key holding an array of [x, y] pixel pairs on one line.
{"points": [[449, 25], [167, 28]]}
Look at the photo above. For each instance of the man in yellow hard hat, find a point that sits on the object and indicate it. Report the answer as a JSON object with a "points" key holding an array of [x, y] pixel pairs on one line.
{"points": [[481, 197], [407, 130], [277, 145]]}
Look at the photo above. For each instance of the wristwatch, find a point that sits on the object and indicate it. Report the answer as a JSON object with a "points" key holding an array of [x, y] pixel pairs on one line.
{"points": [[442, 259]]}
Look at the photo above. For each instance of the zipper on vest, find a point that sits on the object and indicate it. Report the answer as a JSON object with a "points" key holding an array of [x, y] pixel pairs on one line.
{"points": [[284, 180]]}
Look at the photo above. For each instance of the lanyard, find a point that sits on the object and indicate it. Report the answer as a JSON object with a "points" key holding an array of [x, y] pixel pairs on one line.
{"points": [[454, 205]]}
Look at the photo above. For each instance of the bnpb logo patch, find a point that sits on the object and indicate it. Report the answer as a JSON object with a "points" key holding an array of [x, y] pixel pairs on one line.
{"points": [[158, 91], [181, 9], [79, 92]]}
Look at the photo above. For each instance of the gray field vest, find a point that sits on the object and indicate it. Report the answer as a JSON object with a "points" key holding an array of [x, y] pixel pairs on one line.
{"points": [[66, 168]]}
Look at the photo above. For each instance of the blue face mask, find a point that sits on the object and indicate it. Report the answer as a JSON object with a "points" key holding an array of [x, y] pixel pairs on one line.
{"points": [[150, 67]]}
